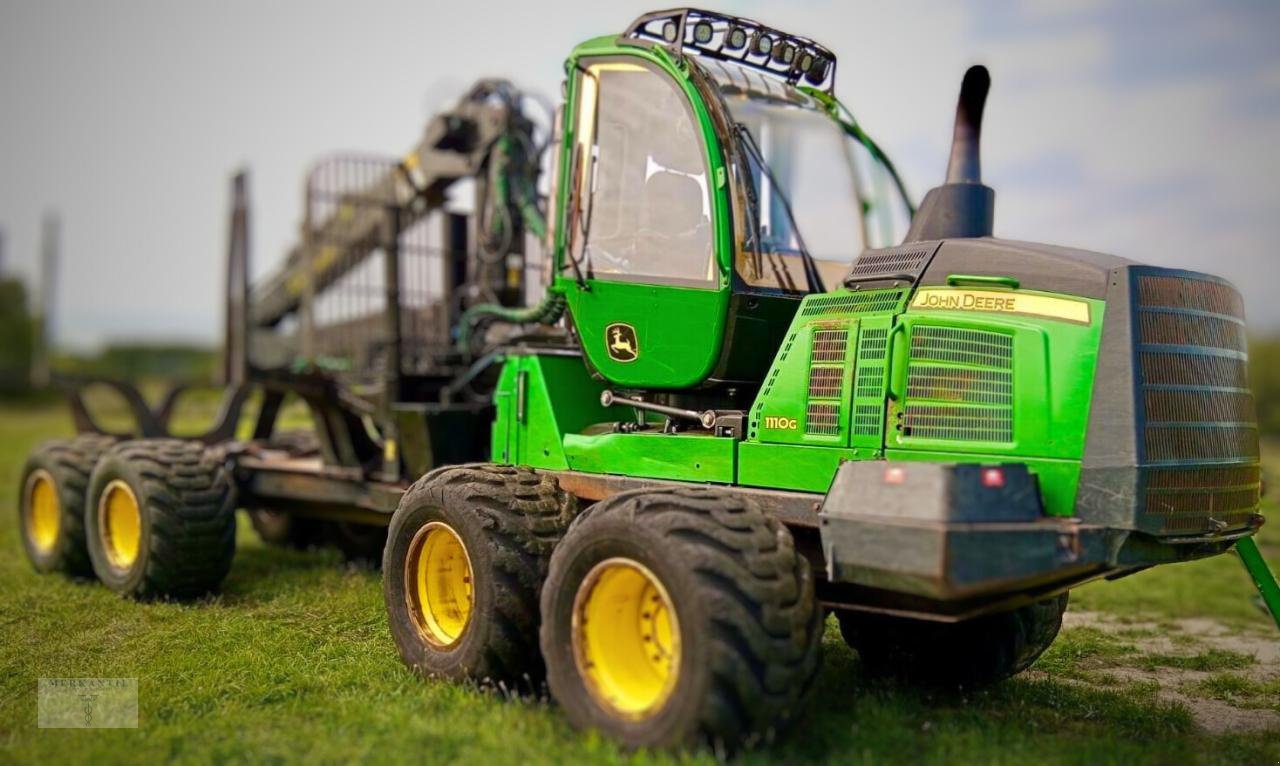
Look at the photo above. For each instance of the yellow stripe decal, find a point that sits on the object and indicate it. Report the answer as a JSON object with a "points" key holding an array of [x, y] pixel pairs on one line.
{"points": [[1001, 302]]}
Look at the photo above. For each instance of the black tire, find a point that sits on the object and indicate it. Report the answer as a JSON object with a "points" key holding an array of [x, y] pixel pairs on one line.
{"points": [[508, 520], [968, 654], [67, 463], [186, 514], [749, 629]]}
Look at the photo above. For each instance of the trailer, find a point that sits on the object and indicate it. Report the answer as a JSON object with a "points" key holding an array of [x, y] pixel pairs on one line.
{"points": [[754, 386]]}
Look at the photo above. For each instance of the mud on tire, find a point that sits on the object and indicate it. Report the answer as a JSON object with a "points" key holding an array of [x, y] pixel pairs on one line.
{"points": [[508, 520], [749, 629], [67, 464], [185, 513], [973, 653]]}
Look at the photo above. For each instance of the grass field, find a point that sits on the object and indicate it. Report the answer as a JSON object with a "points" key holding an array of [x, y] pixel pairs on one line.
{"points": [[293, 662]]}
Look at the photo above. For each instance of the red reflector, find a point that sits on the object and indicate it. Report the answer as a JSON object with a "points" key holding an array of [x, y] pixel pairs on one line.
{"points": [[894, 476], [992, 478]]}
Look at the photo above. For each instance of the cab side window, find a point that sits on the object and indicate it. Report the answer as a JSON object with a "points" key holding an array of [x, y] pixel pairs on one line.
{"points": [[643, 200]]}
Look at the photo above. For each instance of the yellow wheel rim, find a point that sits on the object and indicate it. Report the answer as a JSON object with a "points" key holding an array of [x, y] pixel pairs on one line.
{"points": [[44, 511], [439, 585], [120, 524], [626, 638]]}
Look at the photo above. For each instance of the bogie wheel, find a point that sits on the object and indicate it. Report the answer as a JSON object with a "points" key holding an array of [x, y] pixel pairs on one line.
{"points": [[466, 554], [51, 503], [360, 544], [677, 618], [160, 519], [972, 653], [286, 530]]}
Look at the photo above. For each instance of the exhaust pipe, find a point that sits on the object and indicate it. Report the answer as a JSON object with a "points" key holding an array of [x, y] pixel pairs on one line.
{"points": [[962, 206]]}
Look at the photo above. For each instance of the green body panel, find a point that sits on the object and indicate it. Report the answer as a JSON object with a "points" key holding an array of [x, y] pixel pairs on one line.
{"points": [[885, 361], [825, 336], [680, 329], [787, 466], [683, 457], [1052, 364], [670, 352], [559, 397]]}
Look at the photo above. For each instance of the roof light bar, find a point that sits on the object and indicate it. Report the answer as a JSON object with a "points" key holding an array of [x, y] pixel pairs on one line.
{"points": [[743, 41]]}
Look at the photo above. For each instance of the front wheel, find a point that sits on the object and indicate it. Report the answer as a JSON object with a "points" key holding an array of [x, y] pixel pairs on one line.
{"points": [[972, 653], [466, 554], [676, 618]]}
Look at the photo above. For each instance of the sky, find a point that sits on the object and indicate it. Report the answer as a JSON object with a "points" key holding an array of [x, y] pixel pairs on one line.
{"points": [[1139, 128]]}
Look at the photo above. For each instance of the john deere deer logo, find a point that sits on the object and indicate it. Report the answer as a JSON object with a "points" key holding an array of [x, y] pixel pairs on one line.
{"points": [[620, 340]]}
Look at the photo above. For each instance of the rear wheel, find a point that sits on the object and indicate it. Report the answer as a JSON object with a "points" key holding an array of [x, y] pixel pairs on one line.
{"points": [[160, 519], [466, 554], [673, 618], [971, 653], [51, 503]]}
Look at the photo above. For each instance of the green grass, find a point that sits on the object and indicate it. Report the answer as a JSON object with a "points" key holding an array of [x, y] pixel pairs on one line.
{"points": [[293, 662]]}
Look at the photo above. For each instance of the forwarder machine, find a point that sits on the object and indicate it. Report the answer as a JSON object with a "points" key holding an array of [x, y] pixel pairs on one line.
{"points": [[751, 403]]}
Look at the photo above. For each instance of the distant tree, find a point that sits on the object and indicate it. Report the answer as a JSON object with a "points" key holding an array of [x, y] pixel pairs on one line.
{"points": [[17, 336]]}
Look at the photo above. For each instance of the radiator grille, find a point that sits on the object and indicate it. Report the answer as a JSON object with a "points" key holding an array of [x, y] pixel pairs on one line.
{"points": [[972, 347], [1183, 500], [855, 302], [927, 421], [829, 345], [868, 390], [828, 350], [955, 384], [824, 382], [1200, 433], [959, 385], [823, 419]]}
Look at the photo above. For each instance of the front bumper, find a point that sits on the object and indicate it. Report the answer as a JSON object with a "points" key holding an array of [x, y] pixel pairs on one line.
{"points": [[950, 532]]}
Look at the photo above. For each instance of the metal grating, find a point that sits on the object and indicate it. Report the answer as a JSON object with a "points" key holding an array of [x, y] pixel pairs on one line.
{"points": [[972, 347], [895, 263], [956, 384], [958, 423], [1173, 329], [825, 382], [867, 419], [1186, 293], [959, 385], [822, 419], [1200, 433], [1161, 368], [1200, 442], [867, 302], [868, 410], [829, 345]]}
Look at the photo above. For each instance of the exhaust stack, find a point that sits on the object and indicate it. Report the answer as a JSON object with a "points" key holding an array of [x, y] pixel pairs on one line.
{"points": [[962, 206]]}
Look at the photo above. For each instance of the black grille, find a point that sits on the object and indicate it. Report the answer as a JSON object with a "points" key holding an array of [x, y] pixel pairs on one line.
{"points": [[1200, 435], [895, 263], [857, 302]]}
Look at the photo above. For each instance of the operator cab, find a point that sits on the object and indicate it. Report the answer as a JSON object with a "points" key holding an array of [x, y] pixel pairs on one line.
{"points": [[704, 192]]}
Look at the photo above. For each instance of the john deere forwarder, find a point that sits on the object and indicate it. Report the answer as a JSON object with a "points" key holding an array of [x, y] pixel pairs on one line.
{"points": [[750, 402]]}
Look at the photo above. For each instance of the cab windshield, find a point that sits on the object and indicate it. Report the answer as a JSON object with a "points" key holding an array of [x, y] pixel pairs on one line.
{"points": [[802, 185]]}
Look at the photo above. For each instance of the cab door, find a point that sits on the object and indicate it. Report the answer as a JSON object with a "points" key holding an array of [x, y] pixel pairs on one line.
{"points": [[647, 291]]}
